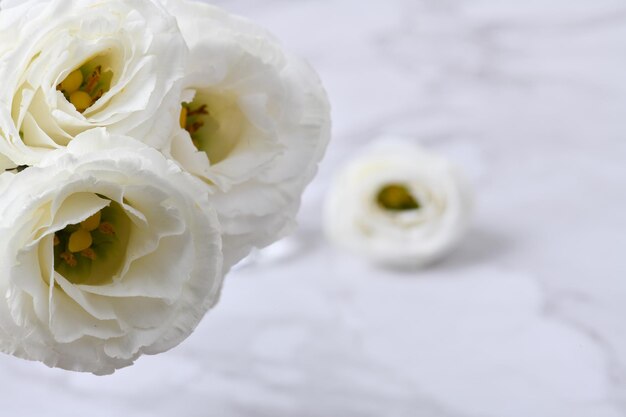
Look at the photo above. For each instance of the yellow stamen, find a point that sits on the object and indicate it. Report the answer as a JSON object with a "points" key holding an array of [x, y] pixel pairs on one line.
{"points": [[191, 118], [92, 222], [93, 257], [79, 241], [183, 117], [72, 82], [80, 100]]}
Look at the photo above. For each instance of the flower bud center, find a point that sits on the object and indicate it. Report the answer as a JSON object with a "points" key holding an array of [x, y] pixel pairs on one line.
{"points": [[397, 197], [193, 118], [215, 123], [85, 85], [92, 251]]}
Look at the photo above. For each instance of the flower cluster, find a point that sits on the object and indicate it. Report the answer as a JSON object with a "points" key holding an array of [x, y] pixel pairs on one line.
{"points": [[146, 147]]}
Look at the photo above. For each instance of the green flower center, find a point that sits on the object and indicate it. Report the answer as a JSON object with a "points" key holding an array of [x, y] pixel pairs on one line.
{"points": [[93, 251], [215, 123], [397, 197], [85, 85]]}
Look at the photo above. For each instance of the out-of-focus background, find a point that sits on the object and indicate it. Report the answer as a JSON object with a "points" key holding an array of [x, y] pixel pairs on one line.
{"points": [[526, 318]]}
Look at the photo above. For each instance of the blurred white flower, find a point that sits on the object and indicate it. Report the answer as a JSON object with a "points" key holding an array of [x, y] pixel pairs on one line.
{"points": [[108, 252], [398, 204], [71, 65], [254, 124]]}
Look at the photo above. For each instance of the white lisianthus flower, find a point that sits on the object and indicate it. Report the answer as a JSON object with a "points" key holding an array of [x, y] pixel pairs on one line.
{"points": [[398, 204], [68, 66], [108, 252], [255, 122]]}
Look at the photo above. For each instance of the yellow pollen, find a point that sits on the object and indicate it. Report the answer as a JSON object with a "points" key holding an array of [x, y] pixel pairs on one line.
{"points": [[191, 118], [92, 222], [69, 258], [72, 82], [79, 241], [89, 254], [80, 100], [106, 228], [183, 117]]}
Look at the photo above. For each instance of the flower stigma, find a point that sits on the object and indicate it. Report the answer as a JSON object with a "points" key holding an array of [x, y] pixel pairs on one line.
{"points": [[397, 197]]}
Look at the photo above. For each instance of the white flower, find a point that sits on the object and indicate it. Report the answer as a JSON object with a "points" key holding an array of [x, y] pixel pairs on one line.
{"points": [[72, 65], [254, 125], [108, 252], [397, 204]]}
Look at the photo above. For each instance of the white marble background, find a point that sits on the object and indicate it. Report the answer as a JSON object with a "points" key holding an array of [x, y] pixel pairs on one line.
{"points": [[526, 319]]}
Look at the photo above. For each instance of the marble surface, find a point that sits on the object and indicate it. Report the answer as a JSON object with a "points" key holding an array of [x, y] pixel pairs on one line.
{"points": [[524, 319]]}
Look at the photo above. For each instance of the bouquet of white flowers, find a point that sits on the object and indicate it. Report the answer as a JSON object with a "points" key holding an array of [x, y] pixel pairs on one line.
{"points": [[146, 147]]}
